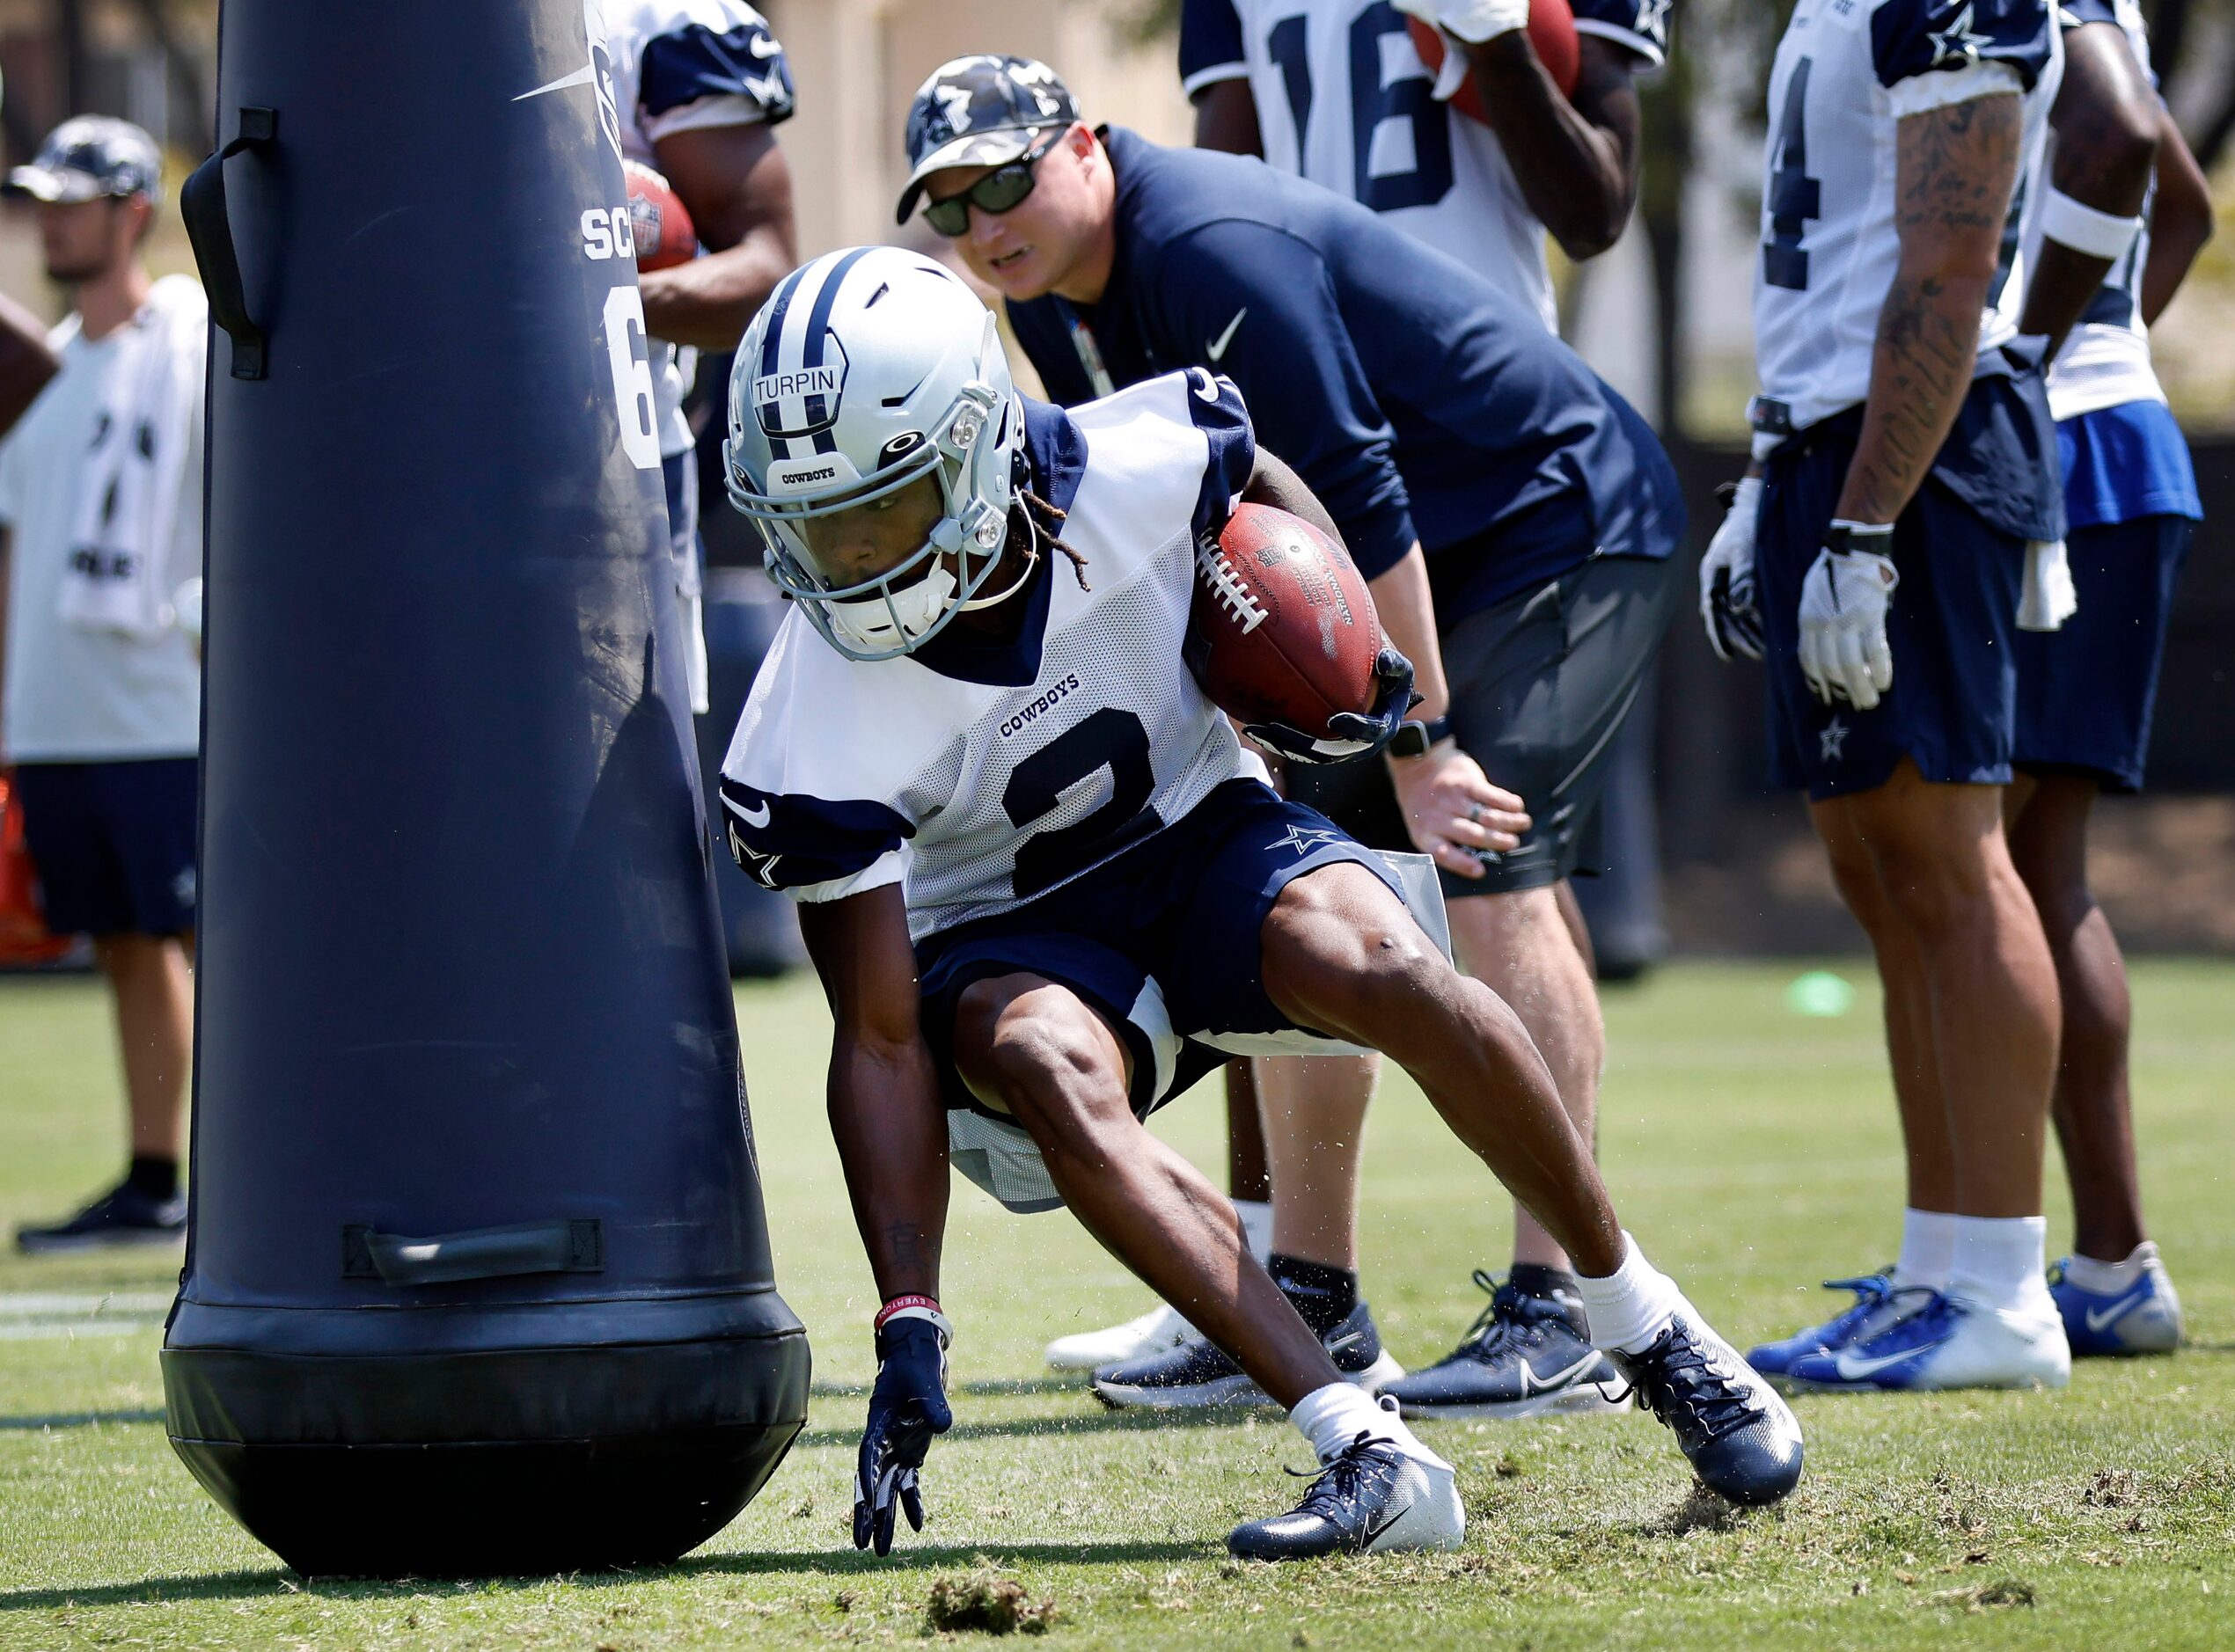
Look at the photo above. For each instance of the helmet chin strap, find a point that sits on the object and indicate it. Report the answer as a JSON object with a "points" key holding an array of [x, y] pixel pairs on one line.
{"points": [[1032, 561]]}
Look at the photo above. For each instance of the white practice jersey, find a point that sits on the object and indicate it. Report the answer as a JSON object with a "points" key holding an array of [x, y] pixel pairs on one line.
{"points": [[1343, 100], [980, 775], [678, 65], [2105, 359], [1847, 71]]}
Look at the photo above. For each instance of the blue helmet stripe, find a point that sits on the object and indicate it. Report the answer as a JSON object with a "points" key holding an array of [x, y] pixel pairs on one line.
{"points": [[772, 341], [818, 320]]}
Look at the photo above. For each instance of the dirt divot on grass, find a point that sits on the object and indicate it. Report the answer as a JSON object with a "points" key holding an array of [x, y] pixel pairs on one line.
{"points": [[985, 1602]]}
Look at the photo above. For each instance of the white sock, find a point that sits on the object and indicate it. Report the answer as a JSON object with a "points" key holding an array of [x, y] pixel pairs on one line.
{"points": [[1628, 1309], [1331, 1417], [1999, 1262], [2109, 1279], [1928, 1250], [1257, 1226]]}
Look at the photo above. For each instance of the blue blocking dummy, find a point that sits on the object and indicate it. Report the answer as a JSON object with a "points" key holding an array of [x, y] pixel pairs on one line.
{"points": [[478, 1277]]}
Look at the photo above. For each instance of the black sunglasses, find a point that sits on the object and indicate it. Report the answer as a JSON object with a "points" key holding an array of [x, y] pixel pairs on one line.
{"points": [[998, 192]]}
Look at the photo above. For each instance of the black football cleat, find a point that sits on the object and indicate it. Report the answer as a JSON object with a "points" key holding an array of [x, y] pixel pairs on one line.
{"points": [[1525, 1356], [1740, 1436], [122, 1217], [1370, 1499], [1198, 1373]]}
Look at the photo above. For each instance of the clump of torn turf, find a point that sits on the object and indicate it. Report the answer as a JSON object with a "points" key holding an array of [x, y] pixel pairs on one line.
{"points": [[987, 1603]]}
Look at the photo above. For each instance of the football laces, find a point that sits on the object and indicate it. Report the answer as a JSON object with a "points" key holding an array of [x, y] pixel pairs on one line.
{"points": [[1228, 588]]}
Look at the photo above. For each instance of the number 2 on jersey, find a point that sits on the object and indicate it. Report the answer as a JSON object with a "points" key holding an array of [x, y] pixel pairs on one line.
{"points": [[1795, 198], [1113, 739]]}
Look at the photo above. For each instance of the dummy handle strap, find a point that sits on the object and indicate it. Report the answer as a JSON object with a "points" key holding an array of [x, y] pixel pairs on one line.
{"points": [[489, 1253], [202, 204]]}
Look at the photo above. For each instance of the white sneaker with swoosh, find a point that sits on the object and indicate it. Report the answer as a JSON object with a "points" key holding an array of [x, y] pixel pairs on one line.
{"points": [[1952, 1342]]}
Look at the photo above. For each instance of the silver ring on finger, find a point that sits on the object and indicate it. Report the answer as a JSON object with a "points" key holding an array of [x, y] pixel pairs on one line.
{"points": [[1475, 812]]}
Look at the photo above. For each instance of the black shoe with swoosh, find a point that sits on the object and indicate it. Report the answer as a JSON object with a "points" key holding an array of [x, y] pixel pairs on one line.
{"points": [[1525, 1355], [1370, 1498]]}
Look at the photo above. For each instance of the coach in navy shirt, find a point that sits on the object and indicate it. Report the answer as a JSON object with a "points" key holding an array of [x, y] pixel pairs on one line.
{"points": [[1422, 405]]}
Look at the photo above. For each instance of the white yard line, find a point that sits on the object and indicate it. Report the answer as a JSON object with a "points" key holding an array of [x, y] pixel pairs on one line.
{"points": [[26, 1315]]}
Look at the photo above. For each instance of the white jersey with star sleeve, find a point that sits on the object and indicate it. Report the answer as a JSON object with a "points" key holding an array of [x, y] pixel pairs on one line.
{"points": [[980, 775], [1343, 100], [679, 65], [1846, 73]]}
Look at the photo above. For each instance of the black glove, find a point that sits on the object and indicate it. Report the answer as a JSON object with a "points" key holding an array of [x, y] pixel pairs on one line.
{"points": [[1350, 734], [907, 1406]]}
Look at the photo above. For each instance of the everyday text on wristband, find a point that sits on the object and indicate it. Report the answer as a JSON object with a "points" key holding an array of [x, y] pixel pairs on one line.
{"points": [[898, 1306], [2076, 224]]}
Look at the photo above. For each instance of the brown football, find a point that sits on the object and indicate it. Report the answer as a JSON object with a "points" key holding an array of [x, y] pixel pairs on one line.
{"points": [[1551, 31], [665, 234], [1283, 629]]}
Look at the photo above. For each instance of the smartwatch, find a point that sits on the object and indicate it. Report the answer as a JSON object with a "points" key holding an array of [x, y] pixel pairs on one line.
{"points": [[1413, 737]]}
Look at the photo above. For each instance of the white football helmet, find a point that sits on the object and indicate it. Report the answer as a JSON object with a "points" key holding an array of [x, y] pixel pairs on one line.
{"points": [[867, 370]]}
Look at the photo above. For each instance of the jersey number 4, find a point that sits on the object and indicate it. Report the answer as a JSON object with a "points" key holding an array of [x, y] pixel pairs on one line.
{"points": [[1795, 198], [1374, 105], [1113, 739]]}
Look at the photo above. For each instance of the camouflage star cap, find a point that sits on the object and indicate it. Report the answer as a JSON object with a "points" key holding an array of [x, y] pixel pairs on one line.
{"points": [[980, 111], [89, 158]]}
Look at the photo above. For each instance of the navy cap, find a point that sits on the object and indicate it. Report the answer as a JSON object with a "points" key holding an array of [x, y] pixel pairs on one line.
{"points": [[89, 158], [980, 111]]}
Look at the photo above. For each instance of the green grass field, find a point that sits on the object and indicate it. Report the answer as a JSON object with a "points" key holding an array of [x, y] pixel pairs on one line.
{"points": [[1751, 1149]]}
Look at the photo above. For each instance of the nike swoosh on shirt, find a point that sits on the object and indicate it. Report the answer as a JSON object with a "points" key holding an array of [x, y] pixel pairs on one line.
{"points": [[1854, 1369], [757, 819], [1217, 347], [2097, 1318]]}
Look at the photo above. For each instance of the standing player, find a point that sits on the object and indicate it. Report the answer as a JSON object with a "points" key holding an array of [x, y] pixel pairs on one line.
{"points": [[2085, 692], [1427, 408], [1037, 866], [1904, 462], [1333, 91], [698, 88], [100, 703]]}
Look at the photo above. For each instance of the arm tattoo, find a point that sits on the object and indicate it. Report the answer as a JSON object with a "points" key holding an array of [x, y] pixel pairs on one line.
{"points": [[1957, 168]]}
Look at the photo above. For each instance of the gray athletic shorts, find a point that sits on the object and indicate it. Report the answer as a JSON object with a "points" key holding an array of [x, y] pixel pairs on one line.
{"points": [[1540, 685]]}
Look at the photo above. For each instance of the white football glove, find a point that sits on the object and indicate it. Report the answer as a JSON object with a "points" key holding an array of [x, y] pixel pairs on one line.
{"points": [[2049, 597], [1726, 578], [1844, 653], [1473, 21]]}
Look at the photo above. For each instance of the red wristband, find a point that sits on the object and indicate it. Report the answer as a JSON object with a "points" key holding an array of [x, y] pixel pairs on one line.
{"points": [[896, 1304]]}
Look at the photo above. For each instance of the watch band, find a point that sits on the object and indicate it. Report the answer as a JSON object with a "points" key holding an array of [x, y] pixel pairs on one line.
{"points": [[1414, 736]]}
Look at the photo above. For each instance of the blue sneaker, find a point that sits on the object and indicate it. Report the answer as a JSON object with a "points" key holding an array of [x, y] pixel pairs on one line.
{"points": [[1878, 1304], [2143, 1318], [1946, 1342]]}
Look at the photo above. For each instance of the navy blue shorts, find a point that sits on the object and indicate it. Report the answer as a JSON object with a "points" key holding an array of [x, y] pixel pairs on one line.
{"points": [[2085, 693], [1163, 940], [112, 844], [1961, 547]]}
